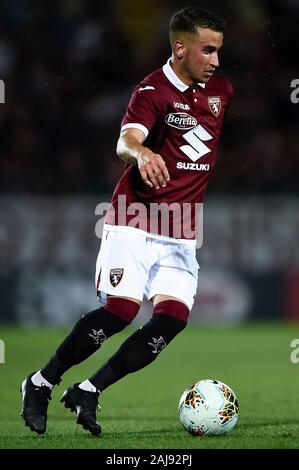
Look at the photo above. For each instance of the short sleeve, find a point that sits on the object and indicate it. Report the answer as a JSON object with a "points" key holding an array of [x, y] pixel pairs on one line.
{"points": [[142, 110]]}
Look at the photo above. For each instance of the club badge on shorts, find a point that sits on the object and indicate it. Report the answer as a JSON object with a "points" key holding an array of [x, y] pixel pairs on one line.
{"points": [[116, 275], [215, 104]]}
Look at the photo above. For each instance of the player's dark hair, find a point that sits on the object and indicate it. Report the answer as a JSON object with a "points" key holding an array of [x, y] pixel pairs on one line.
{"points": [[190, 18]]}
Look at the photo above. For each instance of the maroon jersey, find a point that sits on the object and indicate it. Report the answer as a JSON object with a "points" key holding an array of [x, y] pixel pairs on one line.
{"points": [[183, 125]]}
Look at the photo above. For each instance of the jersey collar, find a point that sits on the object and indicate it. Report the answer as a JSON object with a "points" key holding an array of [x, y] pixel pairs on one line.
{"points": [[174, 79]]}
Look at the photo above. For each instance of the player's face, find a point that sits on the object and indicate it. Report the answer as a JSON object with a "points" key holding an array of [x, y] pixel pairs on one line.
{"points": [[200, 54]]}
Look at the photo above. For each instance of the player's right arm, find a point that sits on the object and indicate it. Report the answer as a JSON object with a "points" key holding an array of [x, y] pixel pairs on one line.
{"points": [[151, 165]]}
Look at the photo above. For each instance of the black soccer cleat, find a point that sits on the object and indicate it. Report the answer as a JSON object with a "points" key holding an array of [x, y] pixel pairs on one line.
{"points": [[85, 404], [35, 402]]}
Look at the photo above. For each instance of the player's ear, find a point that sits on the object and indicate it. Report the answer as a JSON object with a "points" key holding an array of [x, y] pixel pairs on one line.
{"points": [[179, 49]]}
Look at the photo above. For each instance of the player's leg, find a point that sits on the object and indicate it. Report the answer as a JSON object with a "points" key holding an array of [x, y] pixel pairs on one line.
{"points": [[89, 334], [122, 275], [169, 318], [83, 397], [125, 292], [86, 337], [143, 347], [138, 351], [172, 286]]}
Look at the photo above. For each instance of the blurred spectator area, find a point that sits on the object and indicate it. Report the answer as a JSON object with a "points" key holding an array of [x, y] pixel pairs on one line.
{"points": [[69, 67]]}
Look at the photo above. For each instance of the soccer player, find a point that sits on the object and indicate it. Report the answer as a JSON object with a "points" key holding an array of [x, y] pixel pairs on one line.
{"points": [[168, 139]]}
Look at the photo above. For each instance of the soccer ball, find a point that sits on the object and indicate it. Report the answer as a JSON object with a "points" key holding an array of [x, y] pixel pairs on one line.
{"points": [[208, 407]]}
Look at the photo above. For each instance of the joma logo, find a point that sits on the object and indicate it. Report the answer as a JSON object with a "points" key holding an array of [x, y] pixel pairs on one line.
{"points": [[183, 106]]}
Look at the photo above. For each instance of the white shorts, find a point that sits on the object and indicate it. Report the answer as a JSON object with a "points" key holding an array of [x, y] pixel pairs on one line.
{"points": [[132, 264]]}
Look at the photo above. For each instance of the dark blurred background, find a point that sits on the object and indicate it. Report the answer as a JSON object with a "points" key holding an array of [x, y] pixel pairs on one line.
{"points": [[69, 67]]}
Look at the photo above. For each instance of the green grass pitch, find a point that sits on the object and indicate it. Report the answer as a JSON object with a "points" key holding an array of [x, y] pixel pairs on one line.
{"points": [[140, 411]]}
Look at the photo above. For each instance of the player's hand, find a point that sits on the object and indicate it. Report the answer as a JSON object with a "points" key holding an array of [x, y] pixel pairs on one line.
{"points": [[153, 169]]}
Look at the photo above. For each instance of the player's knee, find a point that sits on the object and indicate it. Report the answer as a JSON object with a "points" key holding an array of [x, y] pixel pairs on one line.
{"points": [[123, 308], [173, 308], [170, 317]]}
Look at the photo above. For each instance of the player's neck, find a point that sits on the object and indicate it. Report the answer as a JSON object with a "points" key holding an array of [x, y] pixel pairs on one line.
{"points": [[174, 64]]}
